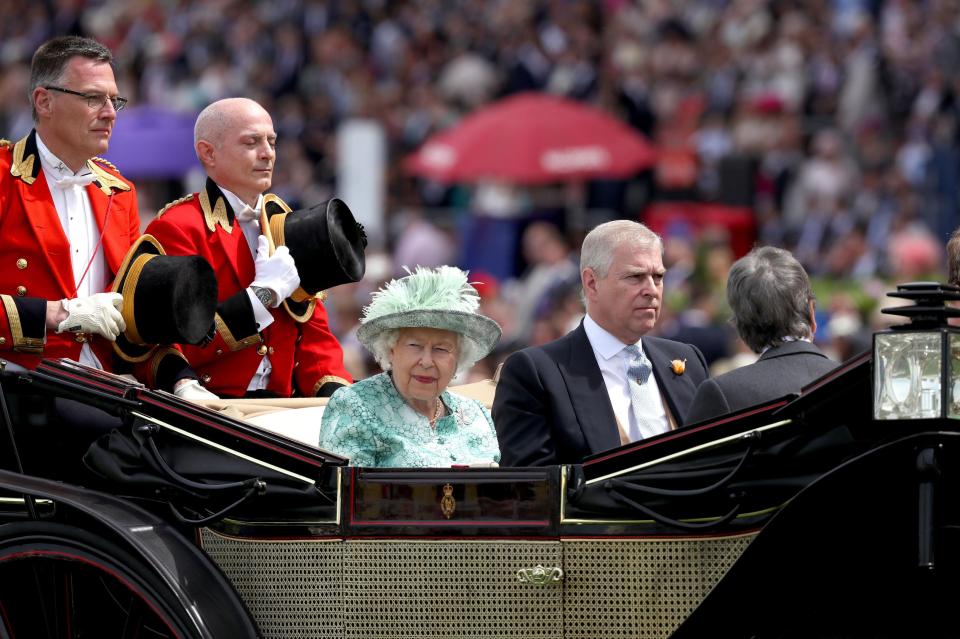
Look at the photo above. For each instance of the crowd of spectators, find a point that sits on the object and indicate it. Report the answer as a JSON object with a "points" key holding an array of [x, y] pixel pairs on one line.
{"points": [[833, 123]]}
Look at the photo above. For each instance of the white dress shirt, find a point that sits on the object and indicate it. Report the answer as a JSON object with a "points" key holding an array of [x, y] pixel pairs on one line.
{"points": [[248, 219], [80, 226], [613, 362]]}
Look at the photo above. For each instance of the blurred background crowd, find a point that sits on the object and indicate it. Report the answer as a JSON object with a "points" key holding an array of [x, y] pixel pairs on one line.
{"points": [[827, 127]]}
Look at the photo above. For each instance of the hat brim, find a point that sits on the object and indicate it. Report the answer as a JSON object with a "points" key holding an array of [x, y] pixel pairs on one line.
{"points": [[481, 330], [128, 344], [167, 299]]}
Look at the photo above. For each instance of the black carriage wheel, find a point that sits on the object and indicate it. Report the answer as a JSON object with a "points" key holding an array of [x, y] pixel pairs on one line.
{"points": [[59, 581]]}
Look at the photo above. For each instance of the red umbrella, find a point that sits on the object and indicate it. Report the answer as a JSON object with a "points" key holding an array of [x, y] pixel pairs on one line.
{"points": [[532, 138]]}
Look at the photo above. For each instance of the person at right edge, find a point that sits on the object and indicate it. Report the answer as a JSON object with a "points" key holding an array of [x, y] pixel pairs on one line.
{"points": [[953, 259], [772, 301], [259, 350]]}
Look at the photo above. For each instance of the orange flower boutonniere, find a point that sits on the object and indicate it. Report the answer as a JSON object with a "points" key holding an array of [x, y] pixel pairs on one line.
{"points": [[678, 366]]}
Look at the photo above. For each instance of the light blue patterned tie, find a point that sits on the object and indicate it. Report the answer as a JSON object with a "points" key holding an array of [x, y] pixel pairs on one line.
{"points": [[638, 372], [639, 368]]}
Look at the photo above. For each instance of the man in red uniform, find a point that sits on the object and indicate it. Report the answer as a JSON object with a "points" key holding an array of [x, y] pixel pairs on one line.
{"points": [[67, 218], [259, 349]]}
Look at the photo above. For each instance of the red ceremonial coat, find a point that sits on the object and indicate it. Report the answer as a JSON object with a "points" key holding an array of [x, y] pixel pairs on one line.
{"points": [[35, 252], [304, 356]]}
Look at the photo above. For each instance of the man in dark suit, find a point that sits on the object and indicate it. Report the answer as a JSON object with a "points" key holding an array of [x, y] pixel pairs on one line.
{"points": [[773, 310], [600, 386]]}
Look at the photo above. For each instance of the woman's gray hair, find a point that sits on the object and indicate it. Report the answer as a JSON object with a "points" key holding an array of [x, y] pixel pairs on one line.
{"points": [[596, 252], [50, 60], [769, 293], [381, 345]]}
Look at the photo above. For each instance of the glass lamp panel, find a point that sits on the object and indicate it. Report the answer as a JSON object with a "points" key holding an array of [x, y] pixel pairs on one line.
{"points": [[906, 381], [953, 410]]}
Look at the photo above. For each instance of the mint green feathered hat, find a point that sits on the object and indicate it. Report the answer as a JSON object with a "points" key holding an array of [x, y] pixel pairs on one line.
{"points": [[430, 298]]}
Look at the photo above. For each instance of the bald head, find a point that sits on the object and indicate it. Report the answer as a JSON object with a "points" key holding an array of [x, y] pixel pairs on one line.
{"points": [[222, 116], [234, 139]]}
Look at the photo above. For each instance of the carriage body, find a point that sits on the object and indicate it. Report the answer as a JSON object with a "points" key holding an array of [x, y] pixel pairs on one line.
{"points": [[256, 534]]}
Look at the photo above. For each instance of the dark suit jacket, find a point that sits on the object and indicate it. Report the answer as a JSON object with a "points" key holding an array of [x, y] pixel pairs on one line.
{"points": [[782, 370], [552, 407]]}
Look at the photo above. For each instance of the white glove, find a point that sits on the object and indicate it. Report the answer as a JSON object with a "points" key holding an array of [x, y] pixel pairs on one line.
{"points": [[276, 272], [99, 313], [191, 389]]}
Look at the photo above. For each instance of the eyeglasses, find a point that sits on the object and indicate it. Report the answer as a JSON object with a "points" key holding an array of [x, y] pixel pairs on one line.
{"points": [[94, 100]]}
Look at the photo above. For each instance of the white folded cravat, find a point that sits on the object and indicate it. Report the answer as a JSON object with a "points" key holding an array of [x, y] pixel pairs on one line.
{"points": [[73, 180]]}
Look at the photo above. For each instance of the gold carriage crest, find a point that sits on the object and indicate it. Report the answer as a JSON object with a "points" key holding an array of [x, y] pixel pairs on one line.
{"points": [[447, 503]]}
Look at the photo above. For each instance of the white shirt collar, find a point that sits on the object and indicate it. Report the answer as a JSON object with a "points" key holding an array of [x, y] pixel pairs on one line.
{"points": [[604, 343], [54, 165], [240, 207], [788, 338]]}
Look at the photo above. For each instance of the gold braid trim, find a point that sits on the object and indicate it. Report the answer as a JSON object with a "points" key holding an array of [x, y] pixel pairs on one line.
{"points": [[305, 315], [232, 343], [129, 290], [158, 356], [215, 215], [5, 144], [167, 207], [325, 379], [21, 344], [22, 167], [105, 180], [105, 162], [276, 227]]}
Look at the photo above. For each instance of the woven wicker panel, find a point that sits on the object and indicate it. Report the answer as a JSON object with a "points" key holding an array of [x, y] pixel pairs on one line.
{"points": [[291, 587], [640, 589], [449, 589]]}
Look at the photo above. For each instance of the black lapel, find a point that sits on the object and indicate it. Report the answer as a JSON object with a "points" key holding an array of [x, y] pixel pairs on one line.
{"points": [[588, 393], [677, 389], [215, 207]]}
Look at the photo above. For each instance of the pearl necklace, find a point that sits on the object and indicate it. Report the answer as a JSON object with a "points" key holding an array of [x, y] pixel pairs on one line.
{"points": [[437, 413]]}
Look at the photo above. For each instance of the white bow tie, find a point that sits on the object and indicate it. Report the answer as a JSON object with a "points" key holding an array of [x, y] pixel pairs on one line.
{"points": [[73, 180], [246, 214]]}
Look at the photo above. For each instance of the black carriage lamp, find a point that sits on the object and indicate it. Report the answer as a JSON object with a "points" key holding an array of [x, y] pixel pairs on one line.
{"points": [[916, 366]]}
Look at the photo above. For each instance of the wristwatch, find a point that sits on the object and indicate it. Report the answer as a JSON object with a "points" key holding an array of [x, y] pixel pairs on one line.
{"points": [[265, 295]]}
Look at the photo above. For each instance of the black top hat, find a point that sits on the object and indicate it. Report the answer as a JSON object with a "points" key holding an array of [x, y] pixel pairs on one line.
{"points": [[167, 299], [326, 243]]}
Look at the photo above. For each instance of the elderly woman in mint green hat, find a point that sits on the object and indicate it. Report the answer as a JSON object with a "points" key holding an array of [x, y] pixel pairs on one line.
{"points": [[422, 330]]}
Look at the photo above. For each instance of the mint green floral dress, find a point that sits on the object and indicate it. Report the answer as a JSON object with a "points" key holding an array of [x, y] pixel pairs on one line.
{"points": [[370, 423]]}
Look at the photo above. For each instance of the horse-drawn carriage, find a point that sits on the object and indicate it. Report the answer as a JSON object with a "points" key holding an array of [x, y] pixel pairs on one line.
{"points": [[126, 512]]}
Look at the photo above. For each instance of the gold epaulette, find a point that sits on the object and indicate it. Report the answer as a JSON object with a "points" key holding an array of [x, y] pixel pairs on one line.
{"points": [[5, 144], [185, 198], [105, 163]]}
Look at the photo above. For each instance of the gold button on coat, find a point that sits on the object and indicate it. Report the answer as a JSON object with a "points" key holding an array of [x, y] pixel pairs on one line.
{"points": [[205, 378], [262, 349], [3, 340], [21, 291], [270, 350], [21, 264]]}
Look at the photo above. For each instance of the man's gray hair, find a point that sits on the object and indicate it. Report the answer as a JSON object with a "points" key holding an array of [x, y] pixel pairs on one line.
{"points": [[50, 61], [769, 293], [381, 345], [596, 252]]}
